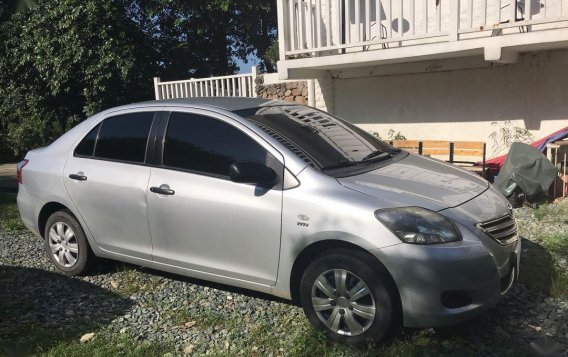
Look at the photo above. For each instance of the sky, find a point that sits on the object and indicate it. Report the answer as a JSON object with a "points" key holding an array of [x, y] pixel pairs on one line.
{"points": [[247, 67]]}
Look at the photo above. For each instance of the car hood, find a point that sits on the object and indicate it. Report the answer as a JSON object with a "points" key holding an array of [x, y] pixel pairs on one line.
{"points": [[419, 181]]}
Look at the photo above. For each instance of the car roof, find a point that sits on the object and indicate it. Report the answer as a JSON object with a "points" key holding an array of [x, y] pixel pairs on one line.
{"points": [[227, 103]]}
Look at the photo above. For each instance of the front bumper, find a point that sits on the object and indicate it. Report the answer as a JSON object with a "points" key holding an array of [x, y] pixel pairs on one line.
{"points": [[442, 285]]}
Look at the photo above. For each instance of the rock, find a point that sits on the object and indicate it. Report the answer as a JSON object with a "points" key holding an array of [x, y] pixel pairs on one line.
{"points": [[114, 284], [87, 337], [189, 324], [188, 349], [301, 100]]}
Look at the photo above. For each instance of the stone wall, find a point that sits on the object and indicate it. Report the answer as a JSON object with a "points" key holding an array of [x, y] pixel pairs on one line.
{"points": [[296, 91]]}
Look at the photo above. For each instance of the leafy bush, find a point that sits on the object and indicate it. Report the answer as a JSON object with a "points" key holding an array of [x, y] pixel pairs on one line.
{"points": [[391, 135], [63, 61], [506, 134]]}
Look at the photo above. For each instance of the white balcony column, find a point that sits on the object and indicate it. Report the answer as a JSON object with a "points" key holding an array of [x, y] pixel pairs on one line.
{"points": [[157, 87], [501, 55], [311, 93], [282, 29], [454, 20], [255, 73]]}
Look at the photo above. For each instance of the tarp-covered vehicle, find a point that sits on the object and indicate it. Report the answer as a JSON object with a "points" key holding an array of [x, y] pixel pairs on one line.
{"points": [[526, 175]]}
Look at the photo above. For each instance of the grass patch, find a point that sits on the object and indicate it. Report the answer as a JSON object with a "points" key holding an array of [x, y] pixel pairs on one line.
{"points": [[108, 345], [544, 265], [544, 261], [9, 215], [131, 280]]}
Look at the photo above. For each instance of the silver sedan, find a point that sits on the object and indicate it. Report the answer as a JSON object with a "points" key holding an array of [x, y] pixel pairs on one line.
{"points": [[278, 198]]}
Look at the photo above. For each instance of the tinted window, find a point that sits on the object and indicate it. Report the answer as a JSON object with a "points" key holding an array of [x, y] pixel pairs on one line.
{"points": [[316, 136], [199, 143], [87, 145], [124, 137]]}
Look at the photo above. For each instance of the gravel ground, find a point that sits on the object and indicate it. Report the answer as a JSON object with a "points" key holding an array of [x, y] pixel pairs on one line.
{"points": [[195, 317]]}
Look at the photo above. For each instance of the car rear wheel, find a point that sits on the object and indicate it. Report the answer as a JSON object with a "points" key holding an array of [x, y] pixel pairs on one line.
{"points": [[347, 296], [66, 244]]}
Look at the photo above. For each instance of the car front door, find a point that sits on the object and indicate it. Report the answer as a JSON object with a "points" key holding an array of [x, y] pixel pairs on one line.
{"points": [[107, 180], [201, 220]]}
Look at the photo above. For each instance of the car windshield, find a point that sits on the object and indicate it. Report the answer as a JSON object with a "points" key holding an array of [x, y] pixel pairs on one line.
{"points": [[319, 138]]}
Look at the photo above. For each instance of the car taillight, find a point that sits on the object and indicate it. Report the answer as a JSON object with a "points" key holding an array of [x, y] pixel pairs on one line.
{"points": [[19, 169]]}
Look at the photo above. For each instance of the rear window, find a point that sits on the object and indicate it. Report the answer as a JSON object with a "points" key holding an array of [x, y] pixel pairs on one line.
{"points": [[317, 137], [124, 137]]}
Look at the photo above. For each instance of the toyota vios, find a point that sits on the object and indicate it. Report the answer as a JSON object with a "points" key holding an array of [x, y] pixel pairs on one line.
{"points": [[278, 198]]}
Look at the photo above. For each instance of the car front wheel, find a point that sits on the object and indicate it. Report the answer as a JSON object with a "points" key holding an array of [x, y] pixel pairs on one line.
{"points": [[347, 296]]}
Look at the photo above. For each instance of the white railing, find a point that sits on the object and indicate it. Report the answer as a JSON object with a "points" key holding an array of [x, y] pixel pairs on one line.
{"points": [[322, 27], [238, 85]]}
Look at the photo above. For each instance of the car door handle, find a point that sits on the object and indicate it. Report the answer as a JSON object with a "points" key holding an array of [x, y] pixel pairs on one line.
{"points": [[78, 177], [162, 191]]}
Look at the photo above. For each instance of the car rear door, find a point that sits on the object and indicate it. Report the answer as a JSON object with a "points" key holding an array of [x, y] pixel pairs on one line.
{"points": [[206, 222], [107, 179]]}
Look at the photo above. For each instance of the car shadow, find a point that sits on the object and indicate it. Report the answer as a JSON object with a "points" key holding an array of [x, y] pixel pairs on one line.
{"points": [[105, 266], [498, 323], [536, 267], [40, 309]]}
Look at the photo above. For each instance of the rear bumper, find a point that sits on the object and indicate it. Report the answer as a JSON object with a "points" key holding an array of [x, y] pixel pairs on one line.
{"points": [[447, 284], [27, 206]]}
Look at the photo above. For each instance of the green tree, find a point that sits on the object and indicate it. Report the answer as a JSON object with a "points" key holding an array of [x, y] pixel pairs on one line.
{"points": [[203, 38], [65, 60]]}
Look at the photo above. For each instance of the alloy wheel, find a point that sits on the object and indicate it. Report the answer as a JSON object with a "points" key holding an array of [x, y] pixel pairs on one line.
{"points": [[63, 244], [343, 302]]}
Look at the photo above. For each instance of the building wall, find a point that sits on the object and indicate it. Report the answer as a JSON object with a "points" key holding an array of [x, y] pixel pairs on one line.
{"points": [[461, 104], [323, 92]]}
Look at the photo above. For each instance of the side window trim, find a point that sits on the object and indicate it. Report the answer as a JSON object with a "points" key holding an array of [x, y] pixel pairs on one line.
{"points": [[100, 125], [149, 156], [161, 135]]}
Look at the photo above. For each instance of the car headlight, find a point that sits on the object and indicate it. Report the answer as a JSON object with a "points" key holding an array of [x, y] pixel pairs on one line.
{"points": [[416, 225]]}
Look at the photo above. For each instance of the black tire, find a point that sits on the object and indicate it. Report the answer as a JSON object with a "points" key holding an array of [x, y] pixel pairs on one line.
{"points": [[361, 266], [84, 256]]}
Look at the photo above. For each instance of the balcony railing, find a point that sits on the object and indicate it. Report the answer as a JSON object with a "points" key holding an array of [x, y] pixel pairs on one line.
{"points": [[311, 28], [238, 85]]}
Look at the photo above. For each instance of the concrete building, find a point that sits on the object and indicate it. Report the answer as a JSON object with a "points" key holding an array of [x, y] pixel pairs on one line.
{"points": [[454, 70], [430, 69]]}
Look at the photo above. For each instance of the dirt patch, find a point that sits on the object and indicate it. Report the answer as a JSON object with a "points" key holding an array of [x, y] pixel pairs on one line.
{"points": [[8, 177]]}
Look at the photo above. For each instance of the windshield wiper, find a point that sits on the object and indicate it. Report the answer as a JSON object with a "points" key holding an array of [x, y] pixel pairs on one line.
{"points": [[339, 165], [372, 157], [379, 154]]}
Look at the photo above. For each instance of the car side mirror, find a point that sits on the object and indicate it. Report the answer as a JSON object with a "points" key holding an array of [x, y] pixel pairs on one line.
{"points": [[252, 172]]}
